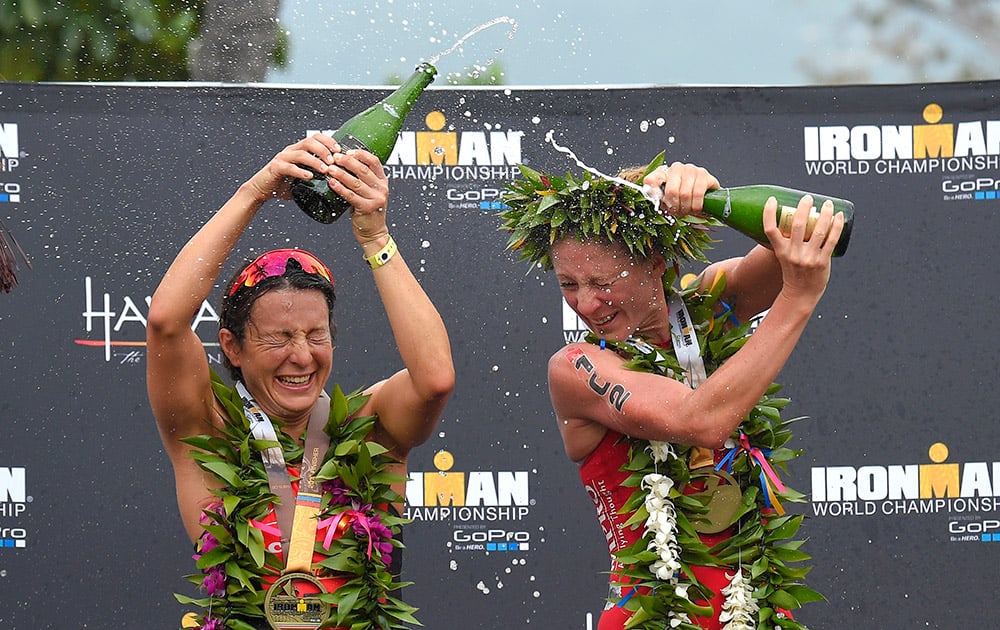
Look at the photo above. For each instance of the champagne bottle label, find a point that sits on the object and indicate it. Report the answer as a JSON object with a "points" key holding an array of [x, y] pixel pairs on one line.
{"points": [[786, 214], [742, 208]]}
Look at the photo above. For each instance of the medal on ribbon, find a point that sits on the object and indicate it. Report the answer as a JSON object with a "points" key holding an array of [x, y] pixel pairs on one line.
{"points": [[293, 602], [722, 497]]}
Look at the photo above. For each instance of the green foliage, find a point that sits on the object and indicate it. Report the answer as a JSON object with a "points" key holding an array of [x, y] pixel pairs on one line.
{"points": [[104, 40], [97, 40], [542, 209]]}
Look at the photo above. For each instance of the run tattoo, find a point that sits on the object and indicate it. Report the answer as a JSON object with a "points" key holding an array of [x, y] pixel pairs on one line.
{"points": [[615, 393]]}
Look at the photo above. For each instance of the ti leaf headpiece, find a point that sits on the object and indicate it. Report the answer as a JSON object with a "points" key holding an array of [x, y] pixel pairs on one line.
{"points": [[542, 209]]}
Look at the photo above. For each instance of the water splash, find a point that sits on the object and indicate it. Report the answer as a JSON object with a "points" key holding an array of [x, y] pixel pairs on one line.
{"points": [[482, 27], [651, 194]]}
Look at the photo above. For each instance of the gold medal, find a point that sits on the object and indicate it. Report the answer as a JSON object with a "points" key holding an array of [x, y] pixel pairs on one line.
{"points": [[723, 500], [292, 605]]}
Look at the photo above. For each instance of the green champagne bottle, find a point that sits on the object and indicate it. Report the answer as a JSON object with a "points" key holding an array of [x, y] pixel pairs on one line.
{"points": [[742, 208], [375, 130]]}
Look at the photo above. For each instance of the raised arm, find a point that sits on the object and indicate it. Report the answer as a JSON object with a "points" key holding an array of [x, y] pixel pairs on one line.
{"points": [[177, 374], [659, 408], [753, 281], [410, 402]]}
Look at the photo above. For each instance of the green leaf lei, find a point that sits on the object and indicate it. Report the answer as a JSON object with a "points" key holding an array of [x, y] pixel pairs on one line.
{"points": [[355, 481], [762, 542]]}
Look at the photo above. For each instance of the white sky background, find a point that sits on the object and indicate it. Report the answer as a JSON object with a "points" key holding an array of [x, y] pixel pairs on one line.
{"points": [[562, 42], [580, 42]]}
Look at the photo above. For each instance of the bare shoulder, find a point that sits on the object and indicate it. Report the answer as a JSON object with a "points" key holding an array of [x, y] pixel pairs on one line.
{"points": [[578, 370], [572, 355], [375, 392], [562, 367], [575, 357]]}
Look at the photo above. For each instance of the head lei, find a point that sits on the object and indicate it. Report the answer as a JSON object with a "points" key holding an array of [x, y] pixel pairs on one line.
{"points": [[542, 209]]}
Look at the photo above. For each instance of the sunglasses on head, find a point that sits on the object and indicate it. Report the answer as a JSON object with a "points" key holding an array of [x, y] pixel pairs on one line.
{"points": [[274, 263]]}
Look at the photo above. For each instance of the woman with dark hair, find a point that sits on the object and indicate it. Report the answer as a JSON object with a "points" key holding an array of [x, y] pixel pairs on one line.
{"points": [[290, 493]]}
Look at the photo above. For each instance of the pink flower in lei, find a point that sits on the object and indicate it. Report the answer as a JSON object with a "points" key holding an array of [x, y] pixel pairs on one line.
{"points": [[338, 491], [214, 624], [365, 523], [214, 583], [238, 606], [369, 525]]}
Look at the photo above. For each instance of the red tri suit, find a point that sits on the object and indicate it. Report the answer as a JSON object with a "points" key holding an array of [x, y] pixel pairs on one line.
{"points": [[602, 478]]}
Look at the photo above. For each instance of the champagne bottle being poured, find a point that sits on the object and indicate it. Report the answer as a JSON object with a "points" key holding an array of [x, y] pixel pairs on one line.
{"points": [[742, 208], [375, 130]]}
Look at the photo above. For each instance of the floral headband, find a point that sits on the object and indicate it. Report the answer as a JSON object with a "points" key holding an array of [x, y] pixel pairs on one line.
{"points": [[541, 209]]}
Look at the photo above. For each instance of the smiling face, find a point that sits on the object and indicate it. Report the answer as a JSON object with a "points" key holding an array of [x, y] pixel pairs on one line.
{"points": [[287, 354], [614, 294]]}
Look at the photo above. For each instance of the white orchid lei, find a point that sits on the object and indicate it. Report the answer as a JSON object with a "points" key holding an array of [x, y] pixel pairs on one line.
{"points": [[661, 529], [768, 574], [740, 608]]}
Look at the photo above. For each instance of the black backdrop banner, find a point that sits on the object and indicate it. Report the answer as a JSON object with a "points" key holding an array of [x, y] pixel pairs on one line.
{"points": [[102, 185]]}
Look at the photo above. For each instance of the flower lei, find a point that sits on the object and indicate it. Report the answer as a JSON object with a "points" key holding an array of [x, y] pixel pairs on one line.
{"points": [[361, 536], [767, 578]]}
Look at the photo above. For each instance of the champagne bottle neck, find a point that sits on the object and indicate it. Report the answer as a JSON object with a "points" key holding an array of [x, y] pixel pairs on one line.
{"points": [[406, 95]]}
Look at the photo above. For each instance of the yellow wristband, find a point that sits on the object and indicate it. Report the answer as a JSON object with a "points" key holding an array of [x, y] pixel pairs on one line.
{"points": [[383, 255]]}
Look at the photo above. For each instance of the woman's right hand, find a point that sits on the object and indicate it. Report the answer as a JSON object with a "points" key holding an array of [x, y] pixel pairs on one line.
{"points": [[275, 178], [680, 187]]}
